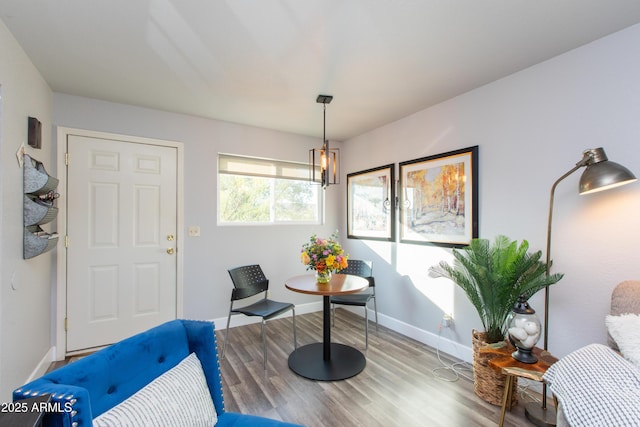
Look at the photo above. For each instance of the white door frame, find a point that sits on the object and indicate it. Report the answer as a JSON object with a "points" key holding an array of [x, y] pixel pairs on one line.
{"points": [[61, 279]]}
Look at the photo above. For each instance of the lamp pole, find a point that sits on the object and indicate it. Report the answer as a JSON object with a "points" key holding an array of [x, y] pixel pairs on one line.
{"points": [[585, 160], [608, 175], [325, 147], [541, 415]]}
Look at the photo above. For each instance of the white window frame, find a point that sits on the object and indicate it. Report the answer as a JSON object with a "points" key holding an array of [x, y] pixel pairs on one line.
{"points": [[259, 167]]}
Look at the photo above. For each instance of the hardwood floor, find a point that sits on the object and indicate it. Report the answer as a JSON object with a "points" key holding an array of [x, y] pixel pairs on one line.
{"points": [[405, 383], [398, 386]]}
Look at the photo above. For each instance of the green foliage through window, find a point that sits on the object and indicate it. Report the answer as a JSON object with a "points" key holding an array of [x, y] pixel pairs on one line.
{"points": [[260, 191]]}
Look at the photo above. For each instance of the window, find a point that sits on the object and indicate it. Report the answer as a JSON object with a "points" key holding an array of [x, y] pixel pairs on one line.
{"points": [[262, 191]]}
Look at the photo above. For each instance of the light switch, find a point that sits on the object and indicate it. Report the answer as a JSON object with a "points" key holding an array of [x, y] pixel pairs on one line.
{"points": [[194, 231]]}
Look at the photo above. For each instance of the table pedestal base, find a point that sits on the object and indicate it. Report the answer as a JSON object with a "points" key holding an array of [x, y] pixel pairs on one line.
{"points": [[345, 362]]}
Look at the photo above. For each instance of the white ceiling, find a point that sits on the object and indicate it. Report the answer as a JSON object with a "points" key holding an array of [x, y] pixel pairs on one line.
{"points": [[263, 62]]}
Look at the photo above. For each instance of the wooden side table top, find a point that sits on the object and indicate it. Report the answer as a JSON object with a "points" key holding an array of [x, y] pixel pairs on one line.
{"points": [[508, 365], [340, 284]]}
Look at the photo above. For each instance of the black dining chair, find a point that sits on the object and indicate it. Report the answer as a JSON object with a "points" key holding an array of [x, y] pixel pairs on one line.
{"points": [[363, 269], [249, 280]]}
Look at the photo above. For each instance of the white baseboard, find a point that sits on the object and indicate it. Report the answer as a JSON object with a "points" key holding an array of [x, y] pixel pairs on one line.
{"points": [[443, 344], [42, 366], [440, 342]]}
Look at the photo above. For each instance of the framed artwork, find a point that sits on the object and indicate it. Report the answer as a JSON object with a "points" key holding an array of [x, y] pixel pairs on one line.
{"points": [[370, 204], [439, 199]]}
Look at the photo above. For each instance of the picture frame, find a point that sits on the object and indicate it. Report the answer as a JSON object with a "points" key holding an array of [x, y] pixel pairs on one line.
{"points": [[438, 199], [371, 204]]}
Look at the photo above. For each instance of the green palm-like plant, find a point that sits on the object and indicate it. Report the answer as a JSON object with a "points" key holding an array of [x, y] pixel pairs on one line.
{"points": [[494, 276]]}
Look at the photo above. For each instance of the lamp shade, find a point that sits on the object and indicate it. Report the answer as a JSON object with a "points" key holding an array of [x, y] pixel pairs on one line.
{"points": [[604, 175]]}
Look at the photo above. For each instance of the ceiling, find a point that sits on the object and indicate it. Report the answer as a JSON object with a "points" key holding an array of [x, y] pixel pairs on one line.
{"points": [[263, 62]]}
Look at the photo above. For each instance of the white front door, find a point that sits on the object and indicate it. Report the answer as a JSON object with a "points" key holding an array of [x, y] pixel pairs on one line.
{"points": [[122, 235]]}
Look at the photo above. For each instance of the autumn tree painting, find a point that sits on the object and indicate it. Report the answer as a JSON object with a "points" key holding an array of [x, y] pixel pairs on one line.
{"points": [[435, 198]]}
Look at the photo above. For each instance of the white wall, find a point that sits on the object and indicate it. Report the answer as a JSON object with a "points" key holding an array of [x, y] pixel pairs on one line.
{"points": [[25, 285], [531, 128], [207, 286]]}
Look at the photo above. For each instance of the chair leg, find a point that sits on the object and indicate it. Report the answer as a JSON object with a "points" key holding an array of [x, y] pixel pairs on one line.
{"points": [[264, 345], [375, 309], [333, 311], [295, 339], [366, 327], [226, 336]]}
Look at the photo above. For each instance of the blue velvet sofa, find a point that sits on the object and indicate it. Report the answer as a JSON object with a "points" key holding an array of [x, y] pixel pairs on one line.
{"points": [[92, 385]]}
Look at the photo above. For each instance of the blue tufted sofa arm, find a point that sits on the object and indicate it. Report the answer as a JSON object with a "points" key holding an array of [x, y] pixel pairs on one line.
{"points": [[90, 386]]}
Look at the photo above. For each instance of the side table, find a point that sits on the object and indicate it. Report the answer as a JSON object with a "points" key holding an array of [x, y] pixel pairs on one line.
{"points": [[514, 369], [25, 413]]}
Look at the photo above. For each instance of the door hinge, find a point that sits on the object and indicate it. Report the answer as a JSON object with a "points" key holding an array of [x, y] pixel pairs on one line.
{"points": [[66, 242], [66, 159], [66, 324]]}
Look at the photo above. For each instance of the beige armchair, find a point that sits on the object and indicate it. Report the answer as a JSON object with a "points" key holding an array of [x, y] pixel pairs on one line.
{"points": [[625, 298]]}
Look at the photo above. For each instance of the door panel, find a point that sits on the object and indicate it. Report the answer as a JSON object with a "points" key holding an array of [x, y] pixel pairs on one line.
{"points": [[122, 268]]}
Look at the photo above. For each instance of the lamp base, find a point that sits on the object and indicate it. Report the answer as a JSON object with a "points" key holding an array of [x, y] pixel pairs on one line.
{"points": [[543, 417], [524, 355]]}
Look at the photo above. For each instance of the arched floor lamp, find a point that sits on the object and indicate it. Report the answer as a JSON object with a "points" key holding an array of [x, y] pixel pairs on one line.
{"points": [[600, 174]]}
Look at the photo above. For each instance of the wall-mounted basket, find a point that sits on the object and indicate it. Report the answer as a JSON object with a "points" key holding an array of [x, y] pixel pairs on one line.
{"points": [[36, 178], [38, 200], [38, 211], [37, 241]]}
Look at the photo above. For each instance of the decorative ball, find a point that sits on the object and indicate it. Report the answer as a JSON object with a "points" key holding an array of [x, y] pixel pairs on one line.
{"points": [[518, 334], [530, 342], [531, 328], [519, 322]]}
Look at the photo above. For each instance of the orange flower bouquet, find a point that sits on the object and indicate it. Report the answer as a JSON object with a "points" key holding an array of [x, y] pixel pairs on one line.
{"points": [[324, 256]]}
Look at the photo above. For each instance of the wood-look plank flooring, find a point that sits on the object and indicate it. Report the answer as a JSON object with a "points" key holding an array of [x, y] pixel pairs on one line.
{"points": [[405, 383], [398, 386]]}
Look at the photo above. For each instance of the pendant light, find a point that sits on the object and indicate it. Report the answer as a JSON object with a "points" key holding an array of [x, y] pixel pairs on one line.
{"points": [[323, 162]]}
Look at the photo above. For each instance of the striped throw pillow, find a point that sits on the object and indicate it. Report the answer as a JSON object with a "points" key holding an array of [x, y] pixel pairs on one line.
{"points": [[178, 398]]}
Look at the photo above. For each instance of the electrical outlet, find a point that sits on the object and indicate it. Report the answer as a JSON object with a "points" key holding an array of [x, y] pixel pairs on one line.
{"points": [[194, 231]]}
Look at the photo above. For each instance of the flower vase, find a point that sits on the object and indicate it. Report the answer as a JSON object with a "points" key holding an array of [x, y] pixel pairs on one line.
{"points": [[323, 277]]}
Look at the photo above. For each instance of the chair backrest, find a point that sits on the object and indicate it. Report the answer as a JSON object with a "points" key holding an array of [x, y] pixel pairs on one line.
{"points": [[248, 281], [361, 268]]}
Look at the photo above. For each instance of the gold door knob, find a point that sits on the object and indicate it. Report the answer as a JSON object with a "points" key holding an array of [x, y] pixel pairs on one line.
{"points": [[170, 251]]}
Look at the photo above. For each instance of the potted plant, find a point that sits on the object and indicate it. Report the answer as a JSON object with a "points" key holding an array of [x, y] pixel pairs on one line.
{"points": [[493, 276]]}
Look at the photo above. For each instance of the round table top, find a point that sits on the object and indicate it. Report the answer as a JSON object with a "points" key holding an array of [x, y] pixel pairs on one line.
{"points": [[340, 284]]}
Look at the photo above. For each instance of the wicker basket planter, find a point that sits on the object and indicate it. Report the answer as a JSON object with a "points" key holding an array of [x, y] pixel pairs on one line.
{"points": [[488, 383]]}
